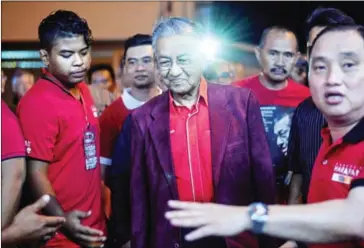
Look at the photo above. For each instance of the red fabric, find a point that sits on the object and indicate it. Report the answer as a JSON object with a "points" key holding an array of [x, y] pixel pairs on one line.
{"points": [[111, 121], [191, 149], [12, 140], [335, 167], [53, 123], [290, 96]]}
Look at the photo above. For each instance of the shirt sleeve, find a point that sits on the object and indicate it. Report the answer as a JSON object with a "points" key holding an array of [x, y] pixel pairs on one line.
{"points": [[40, 128], [358, 181], [12, 140], [109, 132]]}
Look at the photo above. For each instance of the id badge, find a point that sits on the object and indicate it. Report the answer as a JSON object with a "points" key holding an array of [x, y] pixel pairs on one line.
{"points": [[89, 143]]}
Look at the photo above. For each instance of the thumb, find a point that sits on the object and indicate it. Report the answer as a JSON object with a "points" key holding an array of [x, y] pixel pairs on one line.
{"points": [[81, 214], [41, 203]]}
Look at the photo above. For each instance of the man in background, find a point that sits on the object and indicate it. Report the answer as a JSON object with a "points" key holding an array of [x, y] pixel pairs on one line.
{"points": [[277, 94], [21, 82]]}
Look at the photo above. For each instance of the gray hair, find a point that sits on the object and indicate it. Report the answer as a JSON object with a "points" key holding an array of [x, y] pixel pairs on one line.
{"points": [[169, 26]]}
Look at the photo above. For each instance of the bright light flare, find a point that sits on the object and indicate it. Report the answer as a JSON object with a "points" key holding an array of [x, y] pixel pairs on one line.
{"points": [[209, 47]]}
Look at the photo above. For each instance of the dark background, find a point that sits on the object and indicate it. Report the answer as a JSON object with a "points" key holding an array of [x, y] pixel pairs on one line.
{"points": [[245, 21]]}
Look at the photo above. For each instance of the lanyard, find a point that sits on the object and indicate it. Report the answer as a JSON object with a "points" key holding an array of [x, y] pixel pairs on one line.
{"points": [[55, 82]]}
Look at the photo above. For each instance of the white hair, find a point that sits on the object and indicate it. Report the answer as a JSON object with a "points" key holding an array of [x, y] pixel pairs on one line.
{"points": [[169, 26]]}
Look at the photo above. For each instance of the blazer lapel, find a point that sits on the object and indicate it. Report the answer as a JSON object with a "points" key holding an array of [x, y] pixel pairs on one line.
{"points": [[220, 120], [160, 134]]}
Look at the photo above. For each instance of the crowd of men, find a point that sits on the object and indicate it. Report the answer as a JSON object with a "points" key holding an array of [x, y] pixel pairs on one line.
{"points": [[176, 160]]}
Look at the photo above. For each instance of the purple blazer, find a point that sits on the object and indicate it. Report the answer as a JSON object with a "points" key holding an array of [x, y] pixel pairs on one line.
{"points": [[241, 163]]}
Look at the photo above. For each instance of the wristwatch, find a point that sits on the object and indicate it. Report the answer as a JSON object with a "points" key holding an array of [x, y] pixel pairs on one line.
{"points": [[258, 213]]}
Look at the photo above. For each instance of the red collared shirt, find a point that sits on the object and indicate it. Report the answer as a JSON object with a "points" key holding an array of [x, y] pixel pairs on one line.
{"points": [[337, 165], [56, 129], [191, 148], [12, 141]]}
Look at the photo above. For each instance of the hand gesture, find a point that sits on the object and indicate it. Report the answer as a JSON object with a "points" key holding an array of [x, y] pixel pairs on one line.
{"points": [[80, 234], [209, 219], [30, 226]]}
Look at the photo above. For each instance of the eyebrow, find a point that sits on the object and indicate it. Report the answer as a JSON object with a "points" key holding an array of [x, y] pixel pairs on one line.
{"points": [[71, 51], [318, 59], [183, 55], [348, 54]]}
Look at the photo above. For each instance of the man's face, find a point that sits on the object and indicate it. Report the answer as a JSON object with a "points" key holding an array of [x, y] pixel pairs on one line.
{"points": [[336, 75], [3, 81], [281, 129], [69, 59], [179, 62], [102, 78], [139, 66], [278, 56], [225, 72], [23, 84]]}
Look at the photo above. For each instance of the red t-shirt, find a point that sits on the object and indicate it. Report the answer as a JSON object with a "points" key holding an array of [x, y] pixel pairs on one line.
{"points": [[64, 132], [111, 122], [12, 140], [338, 167], [191, 149], [277, 107]]}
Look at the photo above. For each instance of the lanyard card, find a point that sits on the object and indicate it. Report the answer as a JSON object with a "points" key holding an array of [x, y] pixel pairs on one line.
{"points": [[89, 143]]}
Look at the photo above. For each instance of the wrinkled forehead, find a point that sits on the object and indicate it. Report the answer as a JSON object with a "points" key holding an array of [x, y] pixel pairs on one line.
{"points": [[178, 44], [338, 44], [278, 40]]}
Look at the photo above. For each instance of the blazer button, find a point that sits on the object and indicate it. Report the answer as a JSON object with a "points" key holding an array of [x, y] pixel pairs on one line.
{"points": [[176, 245]]}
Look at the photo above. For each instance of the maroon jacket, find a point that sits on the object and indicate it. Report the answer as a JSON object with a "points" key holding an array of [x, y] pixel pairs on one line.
{"points": [[241, 164]]}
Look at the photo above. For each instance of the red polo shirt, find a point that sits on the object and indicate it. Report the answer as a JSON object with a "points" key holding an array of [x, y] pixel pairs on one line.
{"points": [[12, 141], [56, 129], [191, 148], [339, 167], [111, 121]]}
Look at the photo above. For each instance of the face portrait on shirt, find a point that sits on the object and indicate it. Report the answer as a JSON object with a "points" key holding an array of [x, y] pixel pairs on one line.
{"points": [[68, 59], [278, 55], [139, 66], [336, 74], [179, 62], [282, 128]]}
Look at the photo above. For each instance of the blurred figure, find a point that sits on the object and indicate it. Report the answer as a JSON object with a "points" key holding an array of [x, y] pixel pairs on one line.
{"points": [[21, 82], [299, 72], [27, 225], [225, 72], [4, 78], [103, 87]]}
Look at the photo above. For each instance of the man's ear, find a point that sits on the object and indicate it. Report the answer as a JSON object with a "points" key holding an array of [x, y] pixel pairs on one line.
{"points": [[257, 52], [44, 55]]}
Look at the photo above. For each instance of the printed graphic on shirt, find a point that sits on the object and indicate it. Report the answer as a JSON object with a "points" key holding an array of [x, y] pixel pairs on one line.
{"points": [[344, 173], [94, 111], [277, 123]]}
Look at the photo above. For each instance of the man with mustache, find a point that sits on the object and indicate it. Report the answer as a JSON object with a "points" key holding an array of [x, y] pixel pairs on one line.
{"points": [[61, 131], [276, 92], [196, 142]]}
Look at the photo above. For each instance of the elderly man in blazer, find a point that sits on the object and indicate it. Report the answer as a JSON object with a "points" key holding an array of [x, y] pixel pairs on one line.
{"points": [[195, 142]]}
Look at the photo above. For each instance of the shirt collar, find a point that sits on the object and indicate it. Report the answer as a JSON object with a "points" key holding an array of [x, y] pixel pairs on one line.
{"points": [[48, 76], [355, 135], [202, 94]]}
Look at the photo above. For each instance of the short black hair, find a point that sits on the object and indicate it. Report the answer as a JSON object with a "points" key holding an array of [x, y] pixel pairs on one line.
{"points": [[100, 67], [357, 28], [136, 40], [267, 31], [322, 17], [62, 24]]}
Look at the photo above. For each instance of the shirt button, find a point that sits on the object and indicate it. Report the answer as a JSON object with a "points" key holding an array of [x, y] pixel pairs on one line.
{"points": [[176, 245], [324, 162]]}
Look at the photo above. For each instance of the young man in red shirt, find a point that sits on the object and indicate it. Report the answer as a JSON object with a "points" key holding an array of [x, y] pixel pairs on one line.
{"points": [[277, 94], [60, 126], [27, 225], [334, 211]]}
